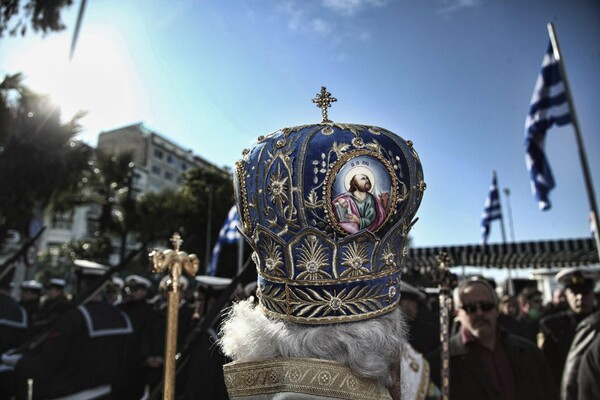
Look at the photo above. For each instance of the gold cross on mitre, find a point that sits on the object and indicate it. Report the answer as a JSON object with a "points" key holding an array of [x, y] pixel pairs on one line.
{"points": [[323, 101]]}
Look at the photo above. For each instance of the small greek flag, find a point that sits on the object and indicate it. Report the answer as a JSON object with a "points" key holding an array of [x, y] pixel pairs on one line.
{"points": [[549, 106], [228, 234], [491, 210]]}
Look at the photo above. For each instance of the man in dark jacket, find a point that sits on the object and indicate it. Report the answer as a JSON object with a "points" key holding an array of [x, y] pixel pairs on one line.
{"points": [[485, 362], [132, 383], [83, 352], [587, 331], [531, 305], [589, 371], [56, 303], [13, 331], [558, 329]]}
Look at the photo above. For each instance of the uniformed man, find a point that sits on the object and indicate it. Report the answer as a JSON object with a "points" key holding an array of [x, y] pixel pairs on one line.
{"points": [[558, 330], [586, 331], [84, 350], [13, 329], [131, 384], [204, 374], [423, 335], [154, 343], [31, 291], [56, 303], [114, 290]]}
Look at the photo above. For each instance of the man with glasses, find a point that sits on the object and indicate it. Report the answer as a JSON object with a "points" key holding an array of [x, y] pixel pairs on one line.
{"points": [[485, 361]]}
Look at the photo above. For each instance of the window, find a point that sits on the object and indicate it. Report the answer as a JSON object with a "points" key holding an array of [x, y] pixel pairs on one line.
{"points": [[184, 166], [169, 159], [158, 153], [168, 176], [155, 170], [62, 220]]}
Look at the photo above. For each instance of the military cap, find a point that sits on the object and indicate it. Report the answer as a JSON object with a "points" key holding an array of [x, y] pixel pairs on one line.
{"points": [[32, 285], [57, 282], [577, 277], [118, 282], [137, 280], [212, 282], [90, 268]]}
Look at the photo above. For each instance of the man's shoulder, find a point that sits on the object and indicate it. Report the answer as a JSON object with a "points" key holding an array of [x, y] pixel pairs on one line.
{"points": [[592, 321], [556, 320], [520, 342]]}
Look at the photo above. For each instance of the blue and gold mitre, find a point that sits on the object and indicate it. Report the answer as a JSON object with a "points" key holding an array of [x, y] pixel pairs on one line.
{"points": [[327, 209]]}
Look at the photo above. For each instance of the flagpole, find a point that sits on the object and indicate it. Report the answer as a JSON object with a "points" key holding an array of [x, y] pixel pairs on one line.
{"points": [[510, 219], [580, 147], [511, 290], [501, 213]]}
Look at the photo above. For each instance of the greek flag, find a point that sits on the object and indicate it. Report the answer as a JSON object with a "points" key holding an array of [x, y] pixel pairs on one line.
{"points": [[227, 234], [549, 106], [491, 210]]}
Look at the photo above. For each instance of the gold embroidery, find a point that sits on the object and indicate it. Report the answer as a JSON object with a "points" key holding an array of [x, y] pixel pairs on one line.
{"points": [[300, 375], [354, 257], [278, 188], [273, 258], [312, 258]]}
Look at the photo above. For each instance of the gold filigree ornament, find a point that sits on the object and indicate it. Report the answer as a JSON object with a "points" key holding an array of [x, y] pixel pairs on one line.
{"points": [[312, 259], [273, 258], [278, 188], [303, 376], [354, 257]]}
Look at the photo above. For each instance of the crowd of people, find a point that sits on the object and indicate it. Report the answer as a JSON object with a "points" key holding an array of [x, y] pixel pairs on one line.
{"points": [[110, 345], [512, 347], [113, 345], [331, 319]]}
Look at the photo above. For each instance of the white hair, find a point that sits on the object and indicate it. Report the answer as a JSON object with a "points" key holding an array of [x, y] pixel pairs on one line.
{"points": [[369, 347]]}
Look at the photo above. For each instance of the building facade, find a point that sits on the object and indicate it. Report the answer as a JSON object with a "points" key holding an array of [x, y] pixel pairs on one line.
{"points": [[159, 164]]}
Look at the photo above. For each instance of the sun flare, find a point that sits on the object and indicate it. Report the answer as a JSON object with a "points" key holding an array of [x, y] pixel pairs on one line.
{"points": [[101, 79]]}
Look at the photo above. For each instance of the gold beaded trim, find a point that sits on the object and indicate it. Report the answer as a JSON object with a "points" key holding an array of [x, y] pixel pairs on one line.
{"points": [[300, 375]]}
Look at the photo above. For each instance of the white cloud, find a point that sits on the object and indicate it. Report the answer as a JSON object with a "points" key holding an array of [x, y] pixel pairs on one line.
{"points": [[351, 7], [450, 6], [321, 26], [294, 14]]}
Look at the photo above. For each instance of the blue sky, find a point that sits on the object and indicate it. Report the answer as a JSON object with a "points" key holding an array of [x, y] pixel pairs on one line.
{"points": [[453, 76]]}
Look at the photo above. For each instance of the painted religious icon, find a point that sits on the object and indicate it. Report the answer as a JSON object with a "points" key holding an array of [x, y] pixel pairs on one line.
{"points": [[361, 194]]}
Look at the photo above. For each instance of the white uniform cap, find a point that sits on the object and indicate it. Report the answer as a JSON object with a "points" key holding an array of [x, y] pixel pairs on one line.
{"points": [[212, 282], [119, 282], [136, 280], [57, 282], [576, 275], [90, 268], [31, 285]]}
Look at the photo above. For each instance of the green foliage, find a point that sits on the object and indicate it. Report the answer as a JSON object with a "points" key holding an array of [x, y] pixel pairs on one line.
{"points": [[39, 156], [41, 15]]}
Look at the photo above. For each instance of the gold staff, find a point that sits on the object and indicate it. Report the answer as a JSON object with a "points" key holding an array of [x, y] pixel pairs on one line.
{"points": [[175, 261], [446, 280]]}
